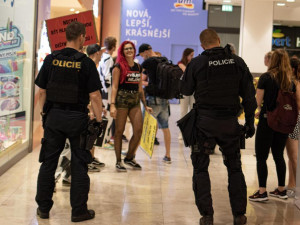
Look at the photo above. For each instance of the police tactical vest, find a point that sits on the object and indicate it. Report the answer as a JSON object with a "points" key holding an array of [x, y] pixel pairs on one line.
{"points": [[220, 89], [63, 83]]}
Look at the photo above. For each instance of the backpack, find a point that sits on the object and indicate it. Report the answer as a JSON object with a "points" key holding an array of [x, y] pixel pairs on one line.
{"points": [[167, 79], [283, 118]]}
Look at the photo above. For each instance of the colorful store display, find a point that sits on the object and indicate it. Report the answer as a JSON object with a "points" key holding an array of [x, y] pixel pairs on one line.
{"points": [[17, 31]]}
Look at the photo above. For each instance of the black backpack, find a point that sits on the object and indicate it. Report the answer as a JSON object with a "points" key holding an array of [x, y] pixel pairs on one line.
{"points": [[167, 79]]}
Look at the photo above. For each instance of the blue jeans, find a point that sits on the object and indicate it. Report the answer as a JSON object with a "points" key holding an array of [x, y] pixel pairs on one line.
{"points": [[160, 110]]}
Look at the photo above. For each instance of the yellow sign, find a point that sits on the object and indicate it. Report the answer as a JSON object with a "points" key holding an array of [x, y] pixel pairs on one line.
{"points": [[148, 134]]}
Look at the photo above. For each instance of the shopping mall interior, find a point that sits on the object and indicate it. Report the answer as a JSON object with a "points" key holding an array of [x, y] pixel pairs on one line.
{"points": [[160, 193]]}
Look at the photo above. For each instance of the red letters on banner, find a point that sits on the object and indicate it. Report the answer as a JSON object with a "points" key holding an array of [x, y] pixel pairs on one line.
{"points": [[56, 29]]}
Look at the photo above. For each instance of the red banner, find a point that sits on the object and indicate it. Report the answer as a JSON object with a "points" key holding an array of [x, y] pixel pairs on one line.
{"points": [[56, 29]]}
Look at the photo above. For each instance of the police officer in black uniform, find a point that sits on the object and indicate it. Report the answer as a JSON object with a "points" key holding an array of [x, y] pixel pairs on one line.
{"points": [[218, 79], [68, 80]]}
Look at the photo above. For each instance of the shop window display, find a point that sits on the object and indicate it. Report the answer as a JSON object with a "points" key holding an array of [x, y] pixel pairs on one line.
{"points": [[16, 74]]}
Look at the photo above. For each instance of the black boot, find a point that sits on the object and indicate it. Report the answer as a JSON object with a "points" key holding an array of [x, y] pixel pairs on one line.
{"points": [[42, 215], [207, 220], [240, 220], [90, 214]]}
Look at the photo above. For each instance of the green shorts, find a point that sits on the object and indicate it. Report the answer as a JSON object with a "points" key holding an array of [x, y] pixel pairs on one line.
{"points": [[127, 99]]}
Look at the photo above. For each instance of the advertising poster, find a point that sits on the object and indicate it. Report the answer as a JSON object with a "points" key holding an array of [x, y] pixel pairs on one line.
{"points": [[11, 68], [56, 29], [148, 134], [169, 26]]}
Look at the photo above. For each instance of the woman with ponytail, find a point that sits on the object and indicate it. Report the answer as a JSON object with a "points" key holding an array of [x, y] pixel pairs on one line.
{"points": [[278, 77], [127, 92]]}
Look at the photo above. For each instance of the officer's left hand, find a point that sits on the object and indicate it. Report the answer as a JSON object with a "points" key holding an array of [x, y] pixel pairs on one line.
{"points": [[149, 109], [250, 130]]}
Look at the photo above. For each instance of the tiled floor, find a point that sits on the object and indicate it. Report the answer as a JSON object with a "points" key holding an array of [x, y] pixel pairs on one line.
{"points": [[159, 194]]}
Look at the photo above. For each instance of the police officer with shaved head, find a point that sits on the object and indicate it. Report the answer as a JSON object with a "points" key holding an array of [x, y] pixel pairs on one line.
{"points": [[68, 81], [218, 79]]}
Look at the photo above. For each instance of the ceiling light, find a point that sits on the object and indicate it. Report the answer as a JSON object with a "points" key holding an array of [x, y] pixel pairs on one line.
{"points": [[290, 0], [226, 1], [72, 10], [280, 4], [77, 12]]}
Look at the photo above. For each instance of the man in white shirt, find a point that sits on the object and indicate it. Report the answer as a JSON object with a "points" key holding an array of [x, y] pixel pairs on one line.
{"points": [[105, 67]]}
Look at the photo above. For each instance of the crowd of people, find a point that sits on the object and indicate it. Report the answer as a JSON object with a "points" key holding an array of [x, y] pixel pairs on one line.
{"points": [[213, 92]]}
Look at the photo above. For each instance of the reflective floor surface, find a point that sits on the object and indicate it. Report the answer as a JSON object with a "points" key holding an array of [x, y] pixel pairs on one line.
{"points": [[159, 194]]}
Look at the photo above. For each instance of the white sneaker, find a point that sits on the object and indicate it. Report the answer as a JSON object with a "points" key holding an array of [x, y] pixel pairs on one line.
{"points": [[290, 193], [93, 168], [120, 167]]}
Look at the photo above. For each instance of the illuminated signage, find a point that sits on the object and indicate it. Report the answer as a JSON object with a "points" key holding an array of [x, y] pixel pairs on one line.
{"points": [[227, 8]]}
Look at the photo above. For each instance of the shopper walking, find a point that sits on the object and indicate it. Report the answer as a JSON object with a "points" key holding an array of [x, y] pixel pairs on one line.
{"points": [[278, 76], [218, 79], [63, 105], [186, 102], [127, 92]]}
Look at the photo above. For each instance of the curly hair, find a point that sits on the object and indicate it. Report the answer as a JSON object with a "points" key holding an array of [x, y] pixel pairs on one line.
{"points": [[124, 67]]}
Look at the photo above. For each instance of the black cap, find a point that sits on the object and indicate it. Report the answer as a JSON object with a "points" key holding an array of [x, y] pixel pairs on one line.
{"points": [[92, 49], [144, 47]]}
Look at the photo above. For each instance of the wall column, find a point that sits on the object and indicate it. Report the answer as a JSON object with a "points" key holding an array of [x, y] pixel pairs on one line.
{"points": [[256, 33]]}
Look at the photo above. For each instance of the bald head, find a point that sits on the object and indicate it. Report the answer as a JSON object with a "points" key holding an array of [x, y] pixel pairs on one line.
{"points": [[209, 39]]}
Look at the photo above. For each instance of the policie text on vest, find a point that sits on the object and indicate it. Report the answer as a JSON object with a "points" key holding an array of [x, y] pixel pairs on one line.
{"points": [[221, 62], [68, 64]]}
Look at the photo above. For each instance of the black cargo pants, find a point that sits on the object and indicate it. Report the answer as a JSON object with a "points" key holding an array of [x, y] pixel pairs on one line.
{"points": [[61, 124], [227, 135]]}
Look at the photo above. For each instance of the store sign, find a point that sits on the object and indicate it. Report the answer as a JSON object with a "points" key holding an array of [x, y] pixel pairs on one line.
{"points": [[56, 28], [298, 42], [286, 37], [10, 37], [188, 4]]}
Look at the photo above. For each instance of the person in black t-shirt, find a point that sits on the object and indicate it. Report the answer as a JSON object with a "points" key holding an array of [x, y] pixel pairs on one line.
{"points": [[277, 77], [160, 106], [126, 94], [68, 81]]}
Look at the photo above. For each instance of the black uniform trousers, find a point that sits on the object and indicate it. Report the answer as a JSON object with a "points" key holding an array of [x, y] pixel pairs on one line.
{"points": [[61, 124], [227, 135]]}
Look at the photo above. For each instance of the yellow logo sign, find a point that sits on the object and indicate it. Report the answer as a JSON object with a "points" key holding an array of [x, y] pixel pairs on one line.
{"points": [[277, 34], [188, 4]]}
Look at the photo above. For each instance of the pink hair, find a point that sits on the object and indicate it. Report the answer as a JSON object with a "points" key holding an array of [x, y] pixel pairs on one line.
{"points": [[124, 67]]}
